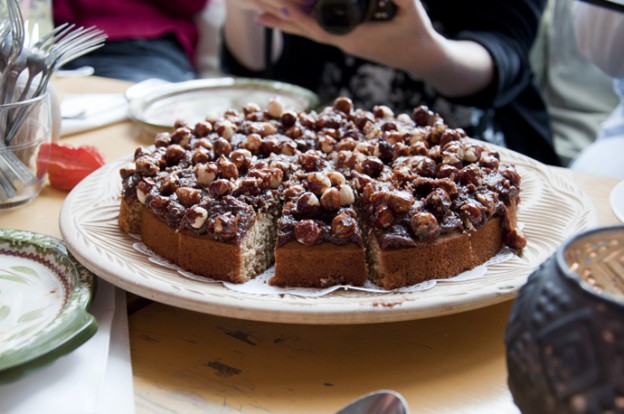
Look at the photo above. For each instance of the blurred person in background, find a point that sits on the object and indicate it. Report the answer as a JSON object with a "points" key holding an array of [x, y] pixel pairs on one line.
{"points": [[579, 96], [600, 36], [146, 38], [467, 61]]}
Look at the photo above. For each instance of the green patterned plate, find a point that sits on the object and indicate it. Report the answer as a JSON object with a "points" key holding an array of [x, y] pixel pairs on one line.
{"points": [[44, 295]]}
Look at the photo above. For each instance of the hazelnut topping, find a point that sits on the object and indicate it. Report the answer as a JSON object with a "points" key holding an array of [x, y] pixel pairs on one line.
{"points": [[308, 205], [384, 217], [241, 158], [206, 173], [197, 216], [253, 143], [220, 188], [336, 178], [330, 200], [307, 232], [318, 183], [343, 226], [188, 196], [141, 194], [401, 201], [344, 105], [225, 129], [424, 225], [202, 129], [407, 177], [225, 225], [275, 108], [346, 195]]}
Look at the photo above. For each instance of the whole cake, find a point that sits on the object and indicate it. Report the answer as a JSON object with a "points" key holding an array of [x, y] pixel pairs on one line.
{"points": [[332, 197]]}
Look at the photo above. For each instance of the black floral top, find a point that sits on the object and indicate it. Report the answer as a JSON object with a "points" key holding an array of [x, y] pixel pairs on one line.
{"points": [[509, 112]]}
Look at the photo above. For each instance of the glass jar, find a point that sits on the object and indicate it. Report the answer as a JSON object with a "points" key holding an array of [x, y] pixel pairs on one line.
{"points": [[37, 16], [25, 127]]}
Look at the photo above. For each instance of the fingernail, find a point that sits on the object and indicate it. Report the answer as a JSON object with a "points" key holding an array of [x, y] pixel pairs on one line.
{"points": [[285, 11]]}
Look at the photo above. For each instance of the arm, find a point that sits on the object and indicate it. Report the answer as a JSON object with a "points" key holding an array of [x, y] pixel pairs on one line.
{"points": [[453, 67], [599, 33], [244, 37]]}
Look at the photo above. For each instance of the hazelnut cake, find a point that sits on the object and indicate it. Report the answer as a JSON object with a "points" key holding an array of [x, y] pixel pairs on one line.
{"points": [[337, 196]]}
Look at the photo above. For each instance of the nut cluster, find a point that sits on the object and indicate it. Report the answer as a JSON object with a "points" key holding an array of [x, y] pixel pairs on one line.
{"points": [[408, 176], [329, 190]]}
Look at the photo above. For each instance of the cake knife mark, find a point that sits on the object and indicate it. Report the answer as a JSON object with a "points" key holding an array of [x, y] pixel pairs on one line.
{"points": [[223, 369], [241, 336]]}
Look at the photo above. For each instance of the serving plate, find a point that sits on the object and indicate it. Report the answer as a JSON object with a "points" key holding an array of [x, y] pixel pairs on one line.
{"points": [[616, 200], [551, 209], [44, 295], [159, 104]]}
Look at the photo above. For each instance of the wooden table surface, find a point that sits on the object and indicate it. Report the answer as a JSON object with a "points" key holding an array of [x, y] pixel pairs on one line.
{"points": [[188, 362]]}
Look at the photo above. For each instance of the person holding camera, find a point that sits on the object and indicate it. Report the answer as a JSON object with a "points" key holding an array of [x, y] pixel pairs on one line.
{"points": [[466, 60]]}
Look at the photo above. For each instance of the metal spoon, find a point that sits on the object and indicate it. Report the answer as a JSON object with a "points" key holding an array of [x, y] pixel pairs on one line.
{"points": [[378, 402]]}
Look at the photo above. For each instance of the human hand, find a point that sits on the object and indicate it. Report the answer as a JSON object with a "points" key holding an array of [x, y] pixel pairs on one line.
{"points": [[408, 42], [410, 29]]}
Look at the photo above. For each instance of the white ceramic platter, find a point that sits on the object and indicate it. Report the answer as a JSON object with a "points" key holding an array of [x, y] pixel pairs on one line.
{"points": [[158, 107], [551, 209]]}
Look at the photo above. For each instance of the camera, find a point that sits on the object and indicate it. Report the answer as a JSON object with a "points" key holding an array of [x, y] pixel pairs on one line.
{"points": [[342, 16]]}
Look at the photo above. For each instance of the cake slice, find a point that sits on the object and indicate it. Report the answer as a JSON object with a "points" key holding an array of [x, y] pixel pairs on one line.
{"points": [[320, 242], [203, 205]]}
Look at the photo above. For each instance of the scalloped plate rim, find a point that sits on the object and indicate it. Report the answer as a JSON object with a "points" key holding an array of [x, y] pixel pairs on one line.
{"points": [[349, 308], [71, 327], [140, 105], [616, 200]]}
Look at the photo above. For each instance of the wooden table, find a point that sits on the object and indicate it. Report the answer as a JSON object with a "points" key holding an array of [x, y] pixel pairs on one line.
{"points": [[187, 362]]}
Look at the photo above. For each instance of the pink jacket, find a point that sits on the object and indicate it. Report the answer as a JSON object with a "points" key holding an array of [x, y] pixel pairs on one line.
{"points": [[131, 19]]}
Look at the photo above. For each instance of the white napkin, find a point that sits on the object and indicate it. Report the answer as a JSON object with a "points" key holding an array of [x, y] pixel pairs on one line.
{"points": [[96, 378], [82, 112]]}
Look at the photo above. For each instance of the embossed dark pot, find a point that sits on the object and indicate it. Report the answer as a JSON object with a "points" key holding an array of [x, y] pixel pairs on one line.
{"points": [[565, 335]]}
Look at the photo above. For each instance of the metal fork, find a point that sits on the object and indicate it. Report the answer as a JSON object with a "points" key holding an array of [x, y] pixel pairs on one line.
{"points": [[15, 176], [12, 45], [42, 59], [11, 180], [37, 54], [4, 40], [70, 46]]}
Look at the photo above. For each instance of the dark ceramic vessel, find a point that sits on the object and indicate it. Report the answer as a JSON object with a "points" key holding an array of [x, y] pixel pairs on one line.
{"points": [[565, 335]]}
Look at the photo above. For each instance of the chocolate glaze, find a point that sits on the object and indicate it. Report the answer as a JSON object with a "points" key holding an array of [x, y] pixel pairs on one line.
{"points": [[407, 178], [289, 220]]}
